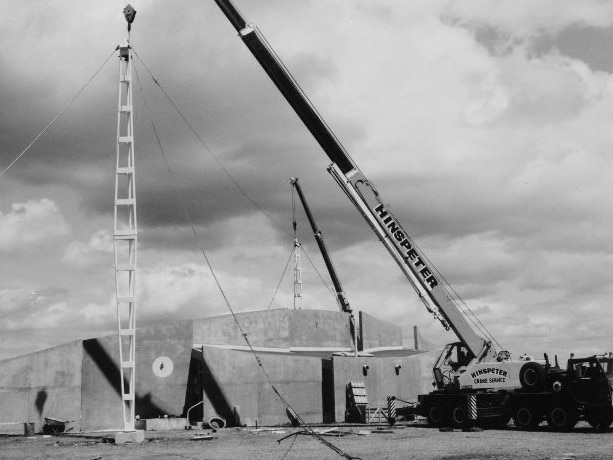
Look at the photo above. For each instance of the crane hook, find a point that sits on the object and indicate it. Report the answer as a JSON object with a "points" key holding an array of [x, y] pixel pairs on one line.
{"points": [[129, 13]]}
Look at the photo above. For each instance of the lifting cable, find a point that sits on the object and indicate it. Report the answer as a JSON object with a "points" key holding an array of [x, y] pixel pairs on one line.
{"points": [[287, 405], [295, 225], [281, 279], [23, 152], [153, 127], [453, 295], [332, 293], [206, 147], [285, 271], [468, 313], [304, 94]]}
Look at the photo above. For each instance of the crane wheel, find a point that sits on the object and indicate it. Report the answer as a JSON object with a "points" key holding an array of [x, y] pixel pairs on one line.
{"points": [[532, 376], [601, 421], [562, 418], [526, 418], [459, 417], [436, 416]]}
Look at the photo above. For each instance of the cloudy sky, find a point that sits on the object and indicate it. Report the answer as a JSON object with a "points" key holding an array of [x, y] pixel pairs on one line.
{"points": [[486, 126]]}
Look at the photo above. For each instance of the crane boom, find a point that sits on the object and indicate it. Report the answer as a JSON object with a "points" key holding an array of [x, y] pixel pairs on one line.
{"points": [[338, 288], [362, 193], [319, 238]]}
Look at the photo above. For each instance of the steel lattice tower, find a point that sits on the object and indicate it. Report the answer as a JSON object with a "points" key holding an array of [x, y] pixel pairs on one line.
{"points": [[297, 276], [125, 238]]}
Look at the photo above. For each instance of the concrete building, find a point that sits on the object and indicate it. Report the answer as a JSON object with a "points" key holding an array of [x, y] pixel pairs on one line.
{"points": [[178, 365]]}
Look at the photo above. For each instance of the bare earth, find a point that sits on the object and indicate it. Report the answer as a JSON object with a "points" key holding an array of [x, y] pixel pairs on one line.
{"points": [[403, 442]]}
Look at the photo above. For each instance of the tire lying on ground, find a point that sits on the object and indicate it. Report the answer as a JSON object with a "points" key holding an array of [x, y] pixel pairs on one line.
{"points": [[216, 422]]}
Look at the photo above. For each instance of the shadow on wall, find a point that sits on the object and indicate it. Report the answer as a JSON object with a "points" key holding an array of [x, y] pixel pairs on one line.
{"points": [[41, 399], [215, 394], [193, 392], [109, 368]]}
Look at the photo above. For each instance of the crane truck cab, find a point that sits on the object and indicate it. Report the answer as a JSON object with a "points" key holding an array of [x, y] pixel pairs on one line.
{"points": [[589, 382]]}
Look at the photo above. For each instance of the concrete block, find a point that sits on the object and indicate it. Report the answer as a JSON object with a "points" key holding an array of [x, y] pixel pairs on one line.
{"points": [[164, 424], [280, 328], [264, 328], [123, 437], [12, 428], [319, 328]]}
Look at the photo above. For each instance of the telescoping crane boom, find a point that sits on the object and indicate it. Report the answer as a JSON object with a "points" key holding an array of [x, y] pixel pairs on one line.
{"points": [[362, 193], [343, 303]]}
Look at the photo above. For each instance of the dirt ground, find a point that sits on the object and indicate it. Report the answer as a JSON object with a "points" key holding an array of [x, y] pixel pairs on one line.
{"points": [[365, 442]]}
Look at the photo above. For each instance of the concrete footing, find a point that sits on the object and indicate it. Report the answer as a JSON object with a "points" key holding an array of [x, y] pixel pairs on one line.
{"points": [[163, 424], [123, 437]]}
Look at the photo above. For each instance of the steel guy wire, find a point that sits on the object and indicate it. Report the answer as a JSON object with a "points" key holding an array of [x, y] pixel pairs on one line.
{"points": [[68, 104]]}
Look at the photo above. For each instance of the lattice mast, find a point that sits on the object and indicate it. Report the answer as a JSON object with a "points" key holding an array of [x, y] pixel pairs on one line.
{"points": [[297, 264], [126, 231], [297, 276]]}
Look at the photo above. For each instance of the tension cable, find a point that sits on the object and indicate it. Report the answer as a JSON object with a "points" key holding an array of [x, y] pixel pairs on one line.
{"points": [[207, 148], [24, 151], [231, 310]]}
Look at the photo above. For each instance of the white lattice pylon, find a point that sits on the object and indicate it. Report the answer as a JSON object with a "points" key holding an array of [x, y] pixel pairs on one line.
{"points": [[125, 238], [297, 277]]}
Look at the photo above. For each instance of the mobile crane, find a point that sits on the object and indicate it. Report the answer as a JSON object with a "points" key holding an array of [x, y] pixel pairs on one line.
{"points": [[474, 381]]}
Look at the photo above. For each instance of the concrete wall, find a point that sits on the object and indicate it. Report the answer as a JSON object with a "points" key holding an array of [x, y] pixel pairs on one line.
{"points": [[381, 379], [277, 329], [80, 380], [379, 334], [162, 365], [233, 378], [159, 390], [101, 390], [42, 384]]}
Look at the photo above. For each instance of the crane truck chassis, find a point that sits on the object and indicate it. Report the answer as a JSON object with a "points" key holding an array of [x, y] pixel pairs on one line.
{"points": [[485, 385], [582, 391]]}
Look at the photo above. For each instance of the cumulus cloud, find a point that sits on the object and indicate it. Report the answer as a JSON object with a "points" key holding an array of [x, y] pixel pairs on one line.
{"points": [[30, 223], [526, 19], [14, 300], [189, 291], [93, 252], [491, 146]]}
